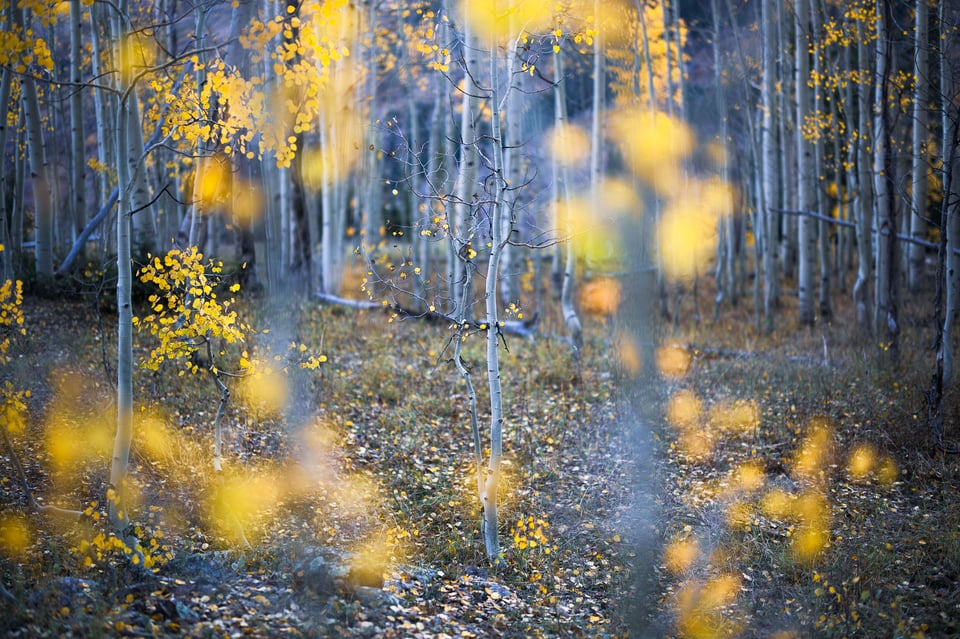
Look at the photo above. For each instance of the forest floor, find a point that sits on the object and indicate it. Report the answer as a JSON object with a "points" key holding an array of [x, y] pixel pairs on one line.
{"points": [[776, 486]]}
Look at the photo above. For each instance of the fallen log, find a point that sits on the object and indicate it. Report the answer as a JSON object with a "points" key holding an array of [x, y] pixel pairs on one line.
{"points": [[518, 328]]}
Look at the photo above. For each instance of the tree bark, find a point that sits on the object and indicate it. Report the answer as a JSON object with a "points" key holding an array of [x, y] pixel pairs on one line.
{"points": [[918, 172], [768, 168], [807, 196]]}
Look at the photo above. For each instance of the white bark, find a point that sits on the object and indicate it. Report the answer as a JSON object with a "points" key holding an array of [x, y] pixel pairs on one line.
{"points": [[951, 207], [567, 306], [805, 169], [466, 186], [77, 144], [918, 172], [768, 168], [120, 464], [499, 207], [864, 200], [885, 218]]}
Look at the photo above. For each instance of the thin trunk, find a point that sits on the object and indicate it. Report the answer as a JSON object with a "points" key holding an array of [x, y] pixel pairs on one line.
{"points": [[885, 313], [864, 200], [568, 309], [769, 195], [6, 214], [39, 177], [119, 468], [918, 172], [466, 186], [806, 190], [820, 169], [513, 255], [950, 207], [78, 163], [499, 205]]}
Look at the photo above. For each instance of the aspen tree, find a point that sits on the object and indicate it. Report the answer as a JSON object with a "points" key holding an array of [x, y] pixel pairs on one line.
{"points": [[805, 167], [864, 200], [767, 169], [885, 309], [918, 171]]}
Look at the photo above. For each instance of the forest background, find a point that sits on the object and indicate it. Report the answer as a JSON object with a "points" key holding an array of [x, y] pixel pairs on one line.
{"points": [[391, 318]]}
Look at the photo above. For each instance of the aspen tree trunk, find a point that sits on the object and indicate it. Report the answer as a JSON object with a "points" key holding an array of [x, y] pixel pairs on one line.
{"points": [[726, 262], [885, 313], [950, 205], [103, 101], [567, 306], [786, 116], [466, 185], [499, 210], [141, 207], [918, 172], [328, 282], [768, 168], [513, 165], [6, 215], [373, 202], [39, 176], [864, 201], [78, 203], [819, 169], [120, 464], [805, 169]]}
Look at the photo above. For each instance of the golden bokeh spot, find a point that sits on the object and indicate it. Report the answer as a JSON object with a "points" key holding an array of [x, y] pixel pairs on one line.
{"points": [[739, 515], [568, 144], [618, 198], [654, 145], [263, 389], [695, 444], [506, 19], [240, 501], [861, 462], [673, 360], [888, 472], [815, 451], [701, 608], [629, 354], [742, 416], [683, 410], [777, 504], [601, 296], [154, 437], [214, 175], [680, 554], [15, 535], [808, 543], [248, 204], [748, 477]]}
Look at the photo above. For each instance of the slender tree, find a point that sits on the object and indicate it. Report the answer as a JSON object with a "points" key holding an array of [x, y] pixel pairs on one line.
{"points": [[919, 168], [805, 167]]}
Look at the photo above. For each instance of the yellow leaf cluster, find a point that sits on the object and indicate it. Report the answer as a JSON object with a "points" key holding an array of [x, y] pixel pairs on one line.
{"points": [[186, 312]]}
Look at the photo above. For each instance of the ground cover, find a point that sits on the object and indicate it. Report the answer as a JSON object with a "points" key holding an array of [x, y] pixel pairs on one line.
{"points": [[796, 491]]}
